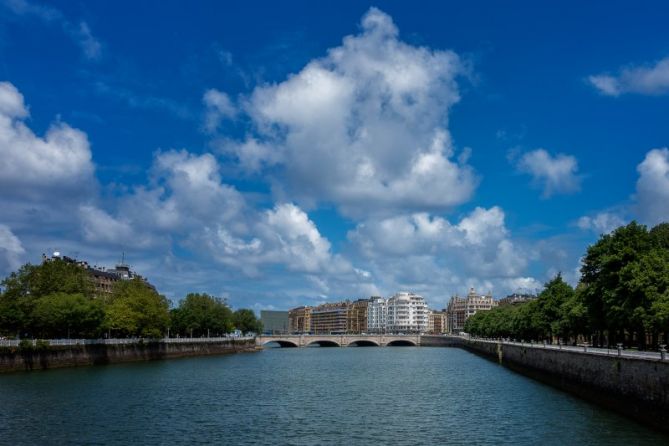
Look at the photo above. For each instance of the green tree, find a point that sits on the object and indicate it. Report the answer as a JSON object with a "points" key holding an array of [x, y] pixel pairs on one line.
{"points": [[23, 288], [67, 315], [136, 309], [607, 276], [245, 320], [202, 314]]}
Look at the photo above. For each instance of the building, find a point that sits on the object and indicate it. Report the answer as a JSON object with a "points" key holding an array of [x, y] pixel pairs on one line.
{"points": [[438, 322], [103, 279], [274, 322], [516, 298], [377, 314], [462, 308], [299, 320], [407, 313], [329, 318], [356, 316]]}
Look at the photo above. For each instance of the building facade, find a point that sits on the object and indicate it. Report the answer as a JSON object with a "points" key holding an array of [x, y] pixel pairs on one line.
{"points": [[377, 314], [438, 322], [407, 313], [516, 298], [329, 318], [462, 308], [299, 320], [356, 316], [103, 279], [274, 322]]}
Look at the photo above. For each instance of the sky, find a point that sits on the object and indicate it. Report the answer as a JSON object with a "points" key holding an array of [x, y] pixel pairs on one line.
{"points": [[288, 153]]}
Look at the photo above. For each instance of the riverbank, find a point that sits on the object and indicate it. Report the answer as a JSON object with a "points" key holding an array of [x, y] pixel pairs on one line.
{"points": [[42, 356], [636, 387]]}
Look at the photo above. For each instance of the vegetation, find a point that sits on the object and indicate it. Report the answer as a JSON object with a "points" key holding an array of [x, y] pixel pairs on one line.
{"points": [[200, 315], [623, 296], [57, 300]]}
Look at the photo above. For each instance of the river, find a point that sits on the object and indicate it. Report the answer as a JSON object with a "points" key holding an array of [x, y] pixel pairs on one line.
{"points": [[307, 396]]}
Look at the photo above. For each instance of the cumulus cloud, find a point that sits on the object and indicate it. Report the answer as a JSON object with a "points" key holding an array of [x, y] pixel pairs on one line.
{"points": [[601, 223], [419, 250], [32, 165], [523, 284], [11, 250], [652, 79], [652, 187], [554, 174], [363, 127], [187, 205]]}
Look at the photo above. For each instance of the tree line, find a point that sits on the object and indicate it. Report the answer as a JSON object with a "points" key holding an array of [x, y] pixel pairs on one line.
{"points": [[57, 299], [622, 297]]}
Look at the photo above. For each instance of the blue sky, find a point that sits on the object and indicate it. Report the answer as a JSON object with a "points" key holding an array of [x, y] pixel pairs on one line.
{"points": [[285, 154]]}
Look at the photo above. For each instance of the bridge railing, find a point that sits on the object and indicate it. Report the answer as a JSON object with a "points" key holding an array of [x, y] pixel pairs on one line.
{"points": [[582, 348]]}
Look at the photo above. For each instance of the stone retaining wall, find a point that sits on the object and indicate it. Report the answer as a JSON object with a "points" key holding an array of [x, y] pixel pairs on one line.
{"points": [[635, 387], [17, 359]]}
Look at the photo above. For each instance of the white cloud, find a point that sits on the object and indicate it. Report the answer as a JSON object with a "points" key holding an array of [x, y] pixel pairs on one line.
{"points": [[523, 284], [31, 165], [652, 187], [554, 174], [650, 79], [79, 33], [187, 204], [218, 106], [601, 223], [11, 250], [363, 127], [429, 251], [91, 46]]}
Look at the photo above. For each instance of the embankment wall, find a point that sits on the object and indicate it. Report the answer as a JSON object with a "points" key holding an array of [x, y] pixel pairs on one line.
{"points": [[17, 359], [635, 387]]}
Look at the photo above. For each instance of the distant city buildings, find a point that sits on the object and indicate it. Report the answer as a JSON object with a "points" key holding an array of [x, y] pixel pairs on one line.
{"points": [[462, 308], [377, 314], [403, 312], [516, 298], [438, 322], [357, 316], [329, 318], [407, 313], [299, 320], [274, 322]]}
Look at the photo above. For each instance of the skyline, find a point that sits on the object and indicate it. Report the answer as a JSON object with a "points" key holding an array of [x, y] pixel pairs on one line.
{"points": [[315, 153]]}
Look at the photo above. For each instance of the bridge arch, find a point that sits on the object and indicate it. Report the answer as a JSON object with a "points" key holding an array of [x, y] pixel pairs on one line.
{"points": [[363, 343], [281, 342], [401, 343], [323, 343]]}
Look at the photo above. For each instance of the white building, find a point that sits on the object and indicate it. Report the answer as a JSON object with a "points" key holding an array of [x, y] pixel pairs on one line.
{"points": [[407, 313], [377, 314]]}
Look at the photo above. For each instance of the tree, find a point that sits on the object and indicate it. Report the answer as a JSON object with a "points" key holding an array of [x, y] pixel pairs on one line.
{"points": [[245, 321], [201, 314], [607, 279], [67, 315], [136, 309], [24, 287]]}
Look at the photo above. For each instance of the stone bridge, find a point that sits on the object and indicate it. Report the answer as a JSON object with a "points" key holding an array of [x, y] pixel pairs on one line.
{"points": [[380, 340]]}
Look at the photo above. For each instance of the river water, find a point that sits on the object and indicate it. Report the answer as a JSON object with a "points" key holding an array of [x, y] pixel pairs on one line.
{"points": [[307, 396]]}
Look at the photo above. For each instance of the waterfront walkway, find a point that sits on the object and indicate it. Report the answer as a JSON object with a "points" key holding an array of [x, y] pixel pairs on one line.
{"points": [[585, 349]]}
